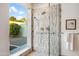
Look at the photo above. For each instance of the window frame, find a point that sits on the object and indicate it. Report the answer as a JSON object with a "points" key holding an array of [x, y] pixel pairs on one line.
{"points": [[27, 49]]}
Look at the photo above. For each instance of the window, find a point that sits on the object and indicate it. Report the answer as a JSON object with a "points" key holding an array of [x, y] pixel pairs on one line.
{"points": [[20, 27]]}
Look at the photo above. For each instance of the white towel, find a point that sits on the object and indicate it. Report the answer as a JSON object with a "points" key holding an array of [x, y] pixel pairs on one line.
{"points": [[76, 43], [66, 46], [70, 42]]}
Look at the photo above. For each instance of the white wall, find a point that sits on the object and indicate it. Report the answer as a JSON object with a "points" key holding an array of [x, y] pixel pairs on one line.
{"points": [[68, 11], [4, 30]]}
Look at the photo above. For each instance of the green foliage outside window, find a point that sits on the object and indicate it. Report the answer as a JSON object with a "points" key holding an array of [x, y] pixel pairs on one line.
{"points": [[12, 18], [14, 30]]}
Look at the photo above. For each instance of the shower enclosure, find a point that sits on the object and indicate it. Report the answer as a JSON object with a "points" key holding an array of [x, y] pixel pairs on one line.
{"points": [[46, 18]]}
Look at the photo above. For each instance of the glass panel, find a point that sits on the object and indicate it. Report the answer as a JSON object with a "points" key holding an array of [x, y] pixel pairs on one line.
{"points": [[18, 27]]}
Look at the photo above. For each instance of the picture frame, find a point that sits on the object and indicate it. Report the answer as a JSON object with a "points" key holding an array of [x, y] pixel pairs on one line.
{"points": [[70, 24]]}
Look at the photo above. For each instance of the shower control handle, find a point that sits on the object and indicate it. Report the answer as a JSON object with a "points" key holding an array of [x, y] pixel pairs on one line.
{"points": [[48, 28]]}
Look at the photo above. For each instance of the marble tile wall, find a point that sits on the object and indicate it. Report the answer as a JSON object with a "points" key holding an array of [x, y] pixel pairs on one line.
{"points": [[46, 42]]}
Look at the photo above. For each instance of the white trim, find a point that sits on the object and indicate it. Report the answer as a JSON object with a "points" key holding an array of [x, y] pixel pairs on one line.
{"points": [[21, 52]]}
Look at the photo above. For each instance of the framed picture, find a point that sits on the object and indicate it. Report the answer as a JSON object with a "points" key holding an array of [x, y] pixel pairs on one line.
{"points": [[71, 24]]}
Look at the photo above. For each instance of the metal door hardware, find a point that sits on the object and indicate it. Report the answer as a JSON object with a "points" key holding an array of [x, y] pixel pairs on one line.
{"points": [[48, 28]]}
